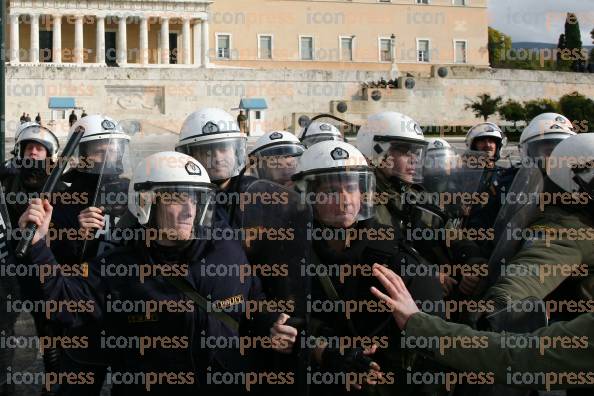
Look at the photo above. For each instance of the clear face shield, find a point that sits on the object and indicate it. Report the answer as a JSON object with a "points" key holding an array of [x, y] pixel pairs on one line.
{"points": [[180, 213], [438, 167], [309, 141], [110, 156], [404, 160], [539, 150], [340, 199], [277, 163], [222, 158]]}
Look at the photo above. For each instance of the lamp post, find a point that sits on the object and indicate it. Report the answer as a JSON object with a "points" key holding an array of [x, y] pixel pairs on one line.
{"points": [[394, 72]]}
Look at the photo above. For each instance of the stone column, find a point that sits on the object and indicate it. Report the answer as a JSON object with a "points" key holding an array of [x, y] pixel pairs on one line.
{"points": [[144, 55], [186, 42], [14, 39], [122, 50], [205, 44], [34, 50], [57, 39], [79, 57], [198, 43], [165, 41], [100, 40]]}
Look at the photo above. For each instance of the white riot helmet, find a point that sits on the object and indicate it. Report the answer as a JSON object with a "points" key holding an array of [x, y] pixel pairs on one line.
{"points": [[484, 130], [172, 193], [394, 144], [275, 156], [440, 158], [212, 137], [335, 178], [33, 132], [104, 146], [318, 131], [571, 164], [542, 134]]}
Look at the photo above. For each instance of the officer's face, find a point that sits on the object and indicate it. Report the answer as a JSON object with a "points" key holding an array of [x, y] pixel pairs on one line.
{"points": [[281, 169], [401, 162], [177, 218], [103, 151], [487, 144], [219, 159], [342, 203], [35, 151]]}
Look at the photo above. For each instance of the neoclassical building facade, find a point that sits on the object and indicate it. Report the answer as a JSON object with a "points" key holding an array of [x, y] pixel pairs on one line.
{"points": [[254, 34]]}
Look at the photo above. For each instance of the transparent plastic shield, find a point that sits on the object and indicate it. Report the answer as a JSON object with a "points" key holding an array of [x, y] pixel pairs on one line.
{"points": [[309, 141], [110, 156], [404, 160], [341, 198], [222, 158], [520, 209], [179, 214], [276, 168], [454, 188]]}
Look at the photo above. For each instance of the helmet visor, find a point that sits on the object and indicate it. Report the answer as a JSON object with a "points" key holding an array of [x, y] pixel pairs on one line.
{"points": [[179, 213], [277, 163], [104, 156], [439, 162], [222, 158], [404, 160], [340, 199], [309, 141]]}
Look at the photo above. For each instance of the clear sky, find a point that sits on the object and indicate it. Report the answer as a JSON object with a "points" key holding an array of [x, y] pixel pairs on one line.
{"points": [[540, 20]]}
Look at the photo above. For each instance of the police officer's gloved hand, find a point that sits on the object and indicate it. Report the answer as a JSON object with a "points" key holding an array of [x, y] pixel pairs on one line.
{"points": [[351, 360]]}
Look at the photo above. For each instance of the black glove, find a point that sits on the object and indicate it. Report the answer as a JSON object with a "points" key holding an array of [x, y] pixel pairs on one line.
{"points": [[351, 361]]}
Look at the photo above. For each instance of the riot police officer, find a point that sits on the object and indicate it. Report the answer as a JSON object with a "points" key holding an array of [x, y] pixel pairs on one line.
{"points": [[99, 179], [335, 177], [23, 177], [189, 294], [484, 143], [274, 156], [212, 137], [540, 137]]}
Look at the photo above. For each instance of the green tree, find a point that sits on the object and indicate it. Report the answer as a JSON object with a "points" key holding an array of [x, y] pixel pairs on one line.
{"points": [[562, 47], [485, 106], [539, 106], [512, 111], [579, 109], [573, 41], [499, 47]]}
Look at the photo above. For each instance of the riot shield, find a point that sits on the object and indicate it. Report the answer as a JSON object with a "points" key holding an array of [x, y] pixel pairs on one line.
{"points": [[275, 224], [454, 189], [520, 209]]}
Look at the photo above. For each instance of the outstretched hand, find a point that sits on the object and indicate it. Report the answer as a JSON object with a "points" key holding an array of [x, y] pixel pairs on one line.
{"points": [[399, 300]]}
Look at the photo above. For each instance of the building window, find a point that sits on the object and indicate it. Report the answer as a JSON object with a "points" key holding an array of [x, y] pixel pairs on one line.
{"points": [[423, 50], [223, 46], [422, 1], [385, 49], [346, 48], [460, 56], [306, 47], [265, 47], [459, 2]]}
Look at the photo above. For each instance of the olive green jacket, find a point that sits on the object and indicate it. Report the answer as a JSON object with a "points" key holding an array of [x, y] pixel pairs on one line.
{"points": [[543, 263], [502, 359]]}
